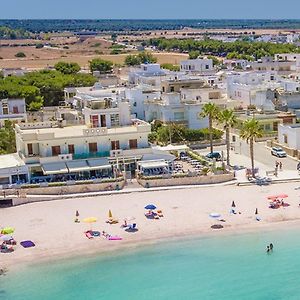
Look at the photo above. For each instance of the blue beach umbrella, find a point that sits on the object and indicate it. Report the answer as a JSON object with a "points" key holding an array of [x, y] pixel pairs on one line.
{"points": [[150, 206], [215, 215]]}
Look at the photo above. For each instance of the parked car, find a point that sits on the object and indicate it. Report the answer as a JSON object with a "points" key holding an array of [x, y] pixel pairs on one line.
{"points": [[276, 151], [214, 155]]}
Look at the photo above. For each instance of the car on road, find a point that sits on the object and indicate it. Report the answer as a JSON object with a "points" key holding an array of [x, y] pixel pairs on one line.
{"points": [[214, 155], [277, 151]]}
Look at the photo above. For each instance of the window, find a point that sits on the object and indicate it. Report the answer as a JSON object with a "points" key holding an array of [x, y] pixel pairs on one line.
{"points": [[71, 149], [115, 145], [92, 147], [5, 109], [172, 89], [95, 121], [15, 109], [178, 116], [115, 120], [55, 150], [133, 144], [267, 127], [29, 148], [206, 67], [103, 120], [285, 138]]}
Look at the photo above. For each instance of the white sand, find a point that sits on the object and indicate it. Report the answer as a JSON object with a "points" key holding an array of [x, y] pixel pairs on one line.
{"points": [[186, 212]]}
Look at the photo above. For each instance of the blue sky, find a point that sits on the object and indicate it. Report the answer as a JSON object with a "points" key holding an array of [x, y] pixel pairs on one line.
{"points": [[145, 9]]}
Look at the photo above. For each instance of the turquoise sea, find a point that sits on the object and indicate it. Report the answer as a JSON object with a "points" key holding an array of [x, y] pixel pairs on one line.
{"points": [[216, 267]]}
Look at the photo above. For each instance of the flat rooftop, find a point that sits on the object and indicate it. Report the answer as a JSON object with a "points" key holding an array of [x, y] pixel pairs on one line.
{"points": [[10, 161]]}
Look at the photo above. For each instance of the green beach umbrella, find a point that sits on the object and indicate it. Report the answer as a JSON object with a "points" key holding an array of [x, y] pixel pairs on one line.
{"points": [[7, 230]]}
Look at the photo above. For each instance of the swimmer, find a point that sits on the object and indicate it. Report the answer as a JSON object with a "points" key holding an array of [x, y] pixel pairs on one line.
{"points": [[268, 249], [271, 246]]}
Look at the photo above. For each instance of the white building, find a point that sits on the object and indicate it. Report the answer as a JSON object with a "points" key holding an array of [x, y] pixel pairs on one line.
{"points": [[171, 108], [12, 169], [13, 110], [199, 65], [242, 87], [289, 135], [148, 74]]}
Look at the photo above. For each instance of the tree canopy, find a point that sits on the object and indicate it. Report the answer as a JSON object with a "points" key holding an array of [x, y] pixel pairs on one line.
{"points": [[67, 68], [42, 87], [245, 49], [7, 138], [143, 57], [101, 65]]}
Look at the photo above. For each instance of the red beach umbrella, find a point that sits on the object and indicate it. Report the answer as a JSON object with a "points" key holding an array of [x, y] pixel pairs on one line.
{"points": [[282, 196]]}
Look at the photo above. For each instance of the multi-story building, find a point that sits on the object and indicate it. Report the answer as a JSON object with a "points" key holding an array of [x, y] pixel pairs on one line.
{"points": [[199, 65], [171, 108], [13, 110]]}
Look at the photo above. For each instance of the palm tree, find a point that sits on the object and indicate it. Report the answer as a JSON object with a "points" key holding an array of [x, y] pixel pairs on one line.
{"points": [[228, 118], [211, 111], [249, 132]]}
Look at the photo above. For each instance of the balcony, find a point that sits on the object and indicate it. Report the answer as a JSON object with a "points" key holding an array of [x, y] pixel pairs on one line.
{"points": [[91, 155]]}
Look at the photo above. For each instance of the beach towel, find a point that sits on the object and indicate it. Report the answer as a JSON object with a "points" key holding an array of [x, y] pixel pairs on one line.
{"points": [[27, 244]]}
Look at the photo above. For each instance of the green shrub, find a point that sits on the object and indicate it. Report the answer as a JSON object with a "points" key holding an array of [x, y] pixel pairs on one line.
{"points": [[20, 54]]}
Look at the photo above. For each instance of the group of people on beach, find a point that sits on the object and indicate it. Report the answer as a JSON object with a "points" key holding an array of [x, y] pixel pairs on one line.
{"points": [[270, 248]]}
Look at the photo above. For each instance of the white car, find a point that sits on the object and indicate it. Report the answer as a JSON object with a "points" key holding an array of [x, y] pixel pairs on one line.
{"points": [[276, 151]]}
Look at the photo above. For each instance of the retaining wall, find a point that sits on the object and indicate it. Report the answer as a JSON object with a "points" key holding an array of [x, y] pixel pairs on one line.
{"points": [[209, 179]]}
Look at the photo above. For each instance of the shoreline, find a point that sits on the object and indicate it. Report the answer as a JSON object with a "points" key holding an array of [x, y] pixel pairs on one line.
{"points": [[130, 246], [186, 216]]}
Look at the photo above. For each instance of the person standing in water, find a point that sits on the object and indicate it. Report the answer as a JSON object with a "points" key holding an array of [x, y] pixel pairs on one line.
{"points": [[271, 247]]}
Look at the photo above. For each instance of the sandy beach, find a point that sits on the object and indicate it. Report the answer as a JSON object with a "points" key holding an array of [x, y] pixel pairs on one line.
{"points": [[186, 213]]}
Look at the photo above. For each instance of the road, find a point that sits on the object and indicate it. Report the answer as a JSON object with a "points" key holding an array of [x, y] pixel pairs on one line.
{"points": [[262, 156]]}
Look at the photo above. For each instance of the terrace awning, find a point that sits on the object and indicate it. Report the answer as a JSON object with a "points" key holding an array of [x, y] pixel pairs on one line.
{"points": [[77, 166], [54, 168], [98, 164], [152, 164]]}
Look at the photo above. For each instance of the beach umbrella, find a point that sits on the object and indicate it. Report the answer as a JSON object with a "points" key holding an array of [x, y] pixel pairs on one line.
{"points": [[256, 211], [77, 213], [6, 237], [90, 220], [150, 206], [109, 214], [7, 230], [282, 196], [215, 215], [233, 204]]}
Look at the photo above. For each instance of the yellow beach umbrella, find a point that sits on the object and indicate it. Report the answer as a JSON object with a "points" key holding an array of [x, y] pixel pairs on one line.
{"points": [[7, 230], [109, 214], [90, 220]]}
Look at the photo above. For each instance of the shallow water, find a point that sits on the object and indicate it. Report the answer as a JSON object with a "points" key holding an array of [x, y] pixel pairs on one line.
{"points": [[219, 267]]}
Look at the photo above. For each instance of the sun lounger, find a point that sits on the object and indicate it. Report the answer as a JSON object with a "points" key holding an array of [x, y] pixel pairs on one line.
{"points": [[114, 238]]}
